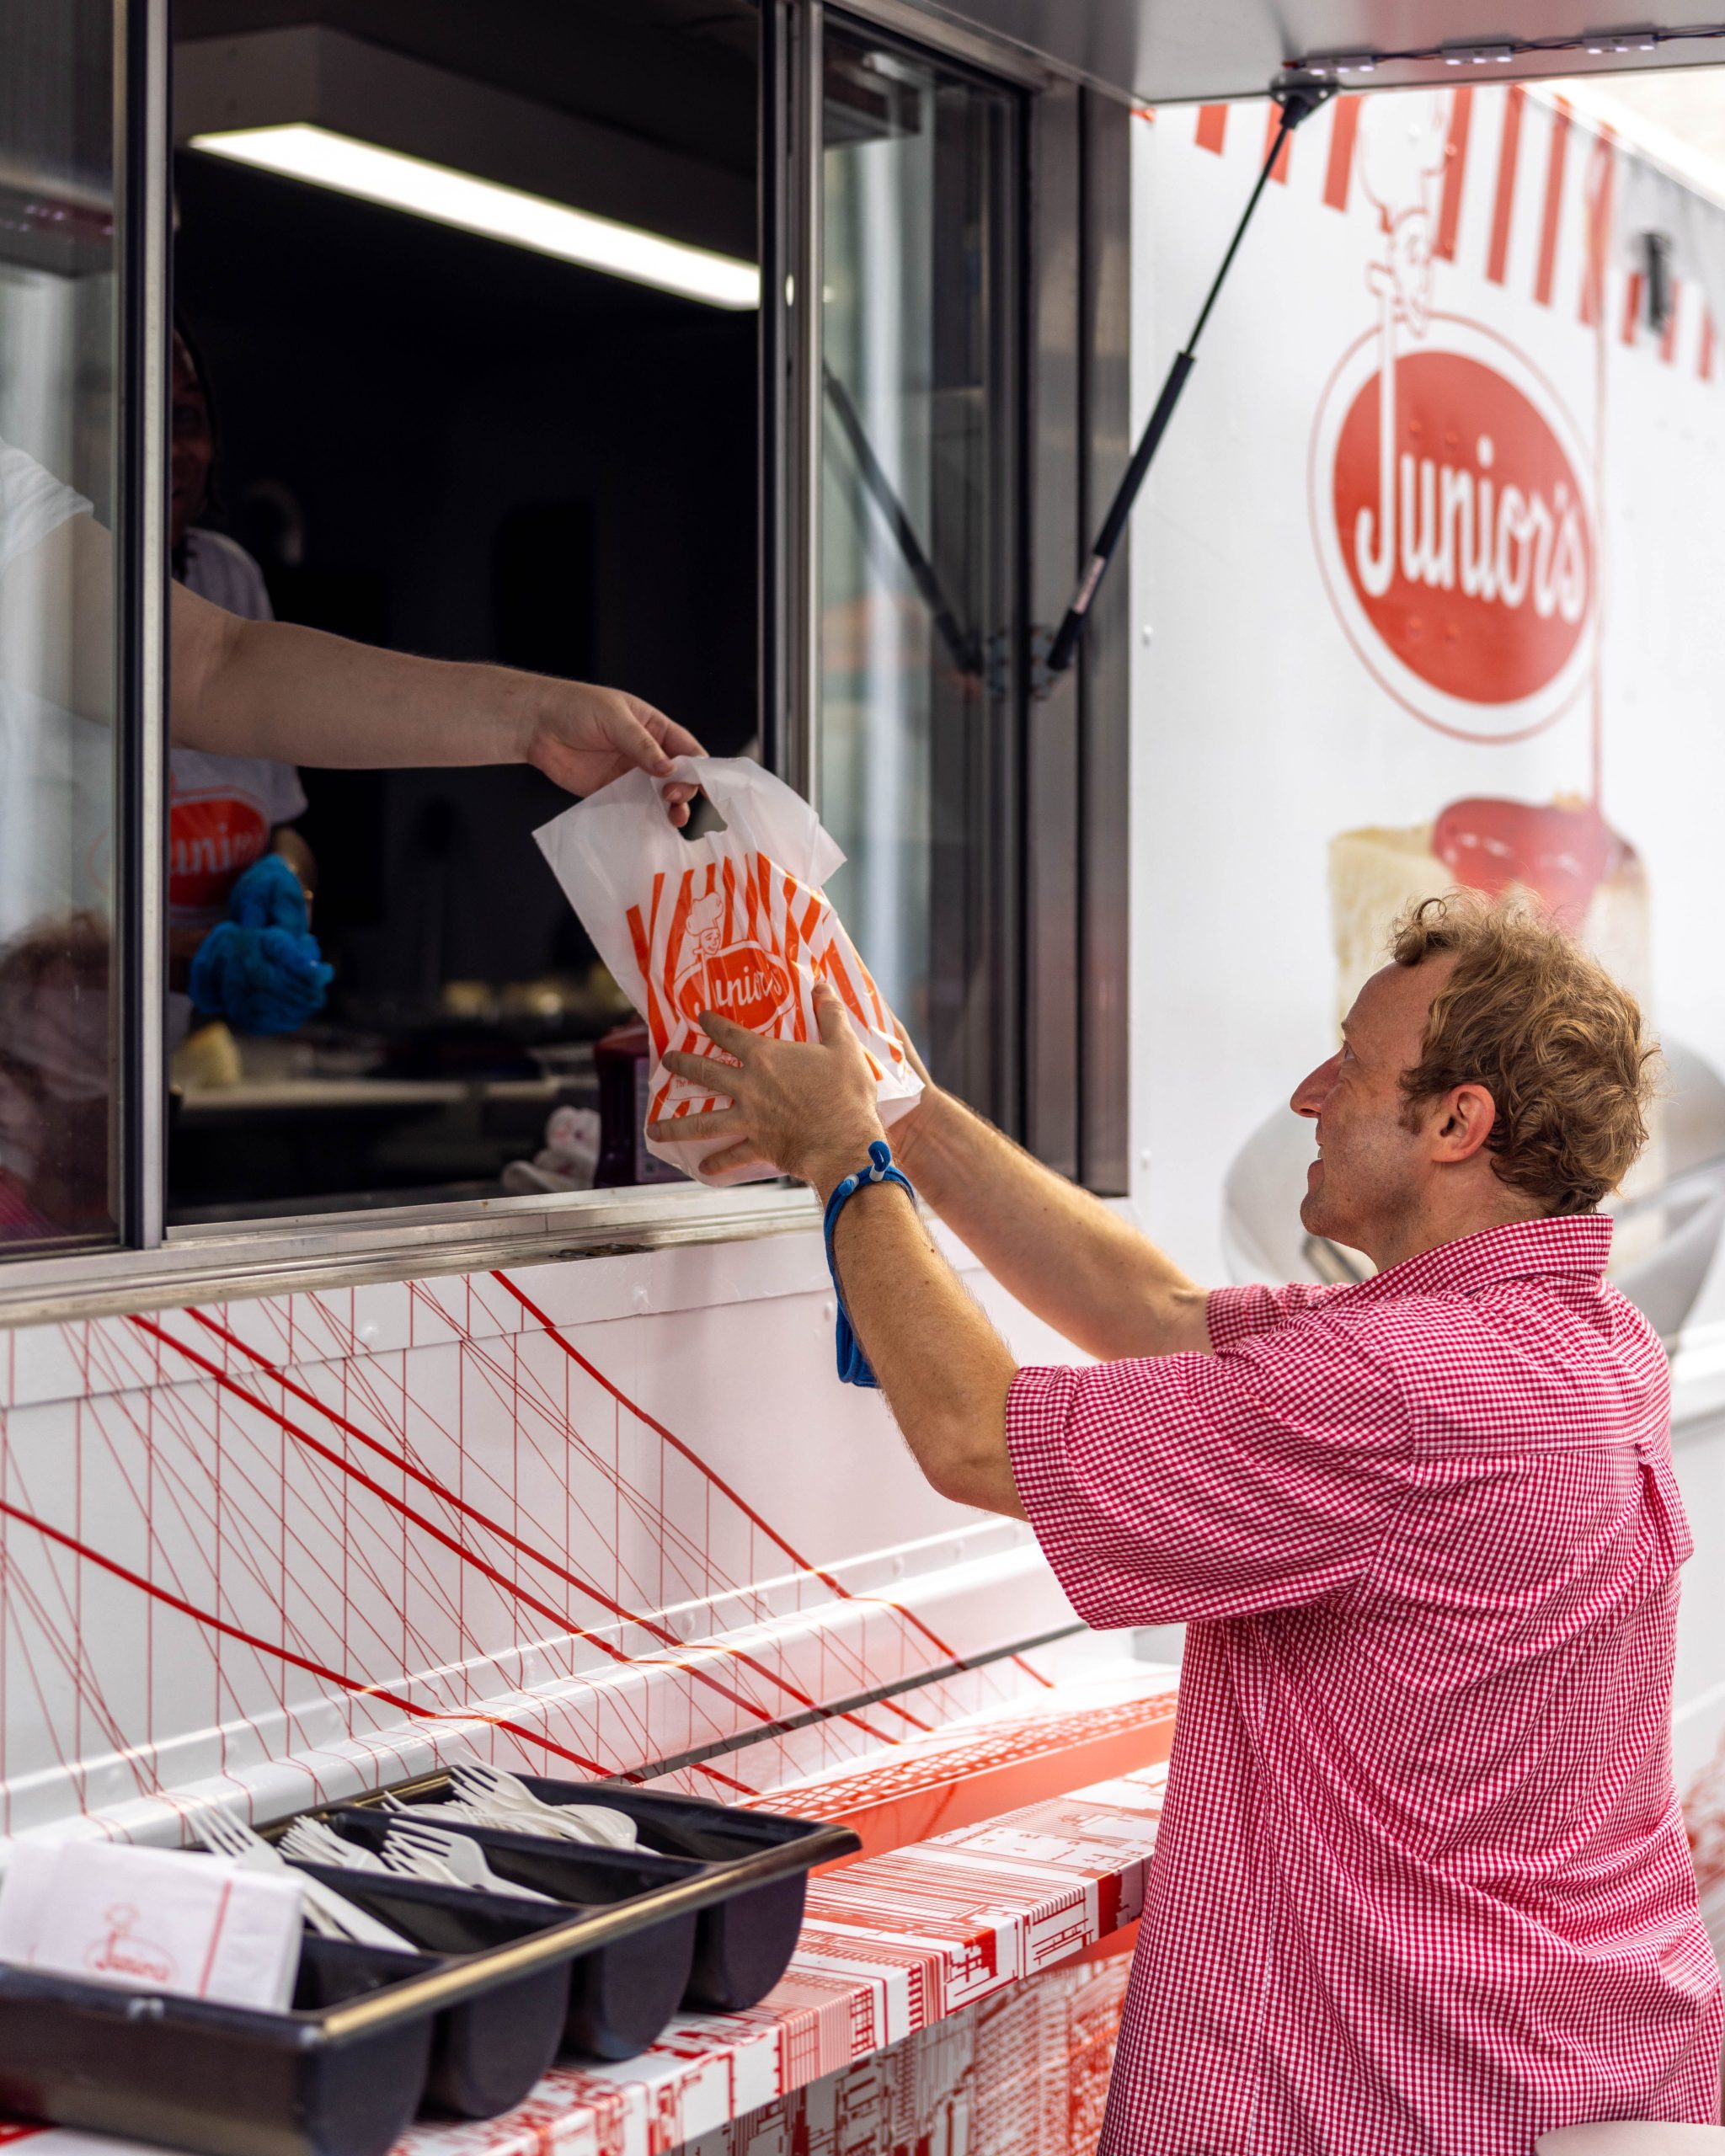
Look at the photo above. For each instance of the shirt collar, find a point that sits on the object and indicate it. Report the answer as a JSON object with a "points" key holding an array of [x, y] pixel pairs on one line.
{"points": [[1573, 1245]]}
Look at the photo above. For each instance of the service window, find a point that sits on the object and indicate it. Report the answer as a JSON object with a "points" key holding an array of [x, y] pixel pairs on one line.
{"points": [[629, 342], [398, 424]]}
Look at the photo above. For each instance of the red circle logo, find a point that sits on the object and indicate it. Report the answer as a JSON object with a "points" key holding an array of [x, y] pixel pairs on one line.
{"points": [[743, 984], [1454, 530], [212, 839]]}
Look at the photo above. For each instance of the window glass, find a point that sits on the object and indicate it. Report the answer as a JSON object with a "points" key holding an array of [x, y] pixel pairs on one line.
{"points": [[916, 540], [414, 432], [57, 758]]}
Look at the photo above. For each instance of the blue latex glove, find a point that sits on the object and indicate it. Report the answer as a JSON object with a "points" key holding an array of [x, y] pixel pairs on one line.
{"points": [[261, 969]]}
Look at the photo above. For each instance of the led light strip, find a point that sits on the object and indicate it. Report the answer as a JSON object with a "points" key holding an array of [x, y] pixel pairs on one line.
{"points": [[1594, 42], [472, 205]]}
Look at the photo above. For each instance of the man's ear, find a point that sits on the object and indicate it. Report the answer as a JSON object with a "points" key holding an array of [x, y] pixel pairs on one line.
{"points": [[1461, 1123]]}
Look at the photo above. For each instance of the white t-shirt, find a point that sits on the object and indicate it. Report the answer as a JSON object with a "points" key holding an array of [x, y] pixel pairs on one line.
{"points": [[33, 503], [56, 769], [223, 808]]}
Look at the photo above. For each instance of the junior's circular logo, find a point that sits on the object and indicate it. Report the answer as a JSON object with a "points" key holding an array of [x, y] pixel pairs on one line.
{"points": [[1455, 531], [744, 983]]}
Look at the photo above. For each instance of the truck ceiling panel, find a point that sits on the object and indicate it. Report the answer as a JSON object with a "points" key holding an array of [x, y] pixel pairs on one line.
{"points": [[1163, 51]]}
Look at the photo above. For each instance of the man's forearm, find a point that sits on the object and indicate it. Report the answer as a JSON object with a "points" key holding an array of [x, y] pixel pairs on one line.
{"points": [[1056, 1248], [944, 1370]]}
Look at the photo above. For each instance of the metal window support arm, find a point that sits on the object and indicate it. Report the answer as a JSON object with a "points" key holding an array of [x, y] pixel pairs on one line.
{"points": [[1298, 101], [962, 645]]}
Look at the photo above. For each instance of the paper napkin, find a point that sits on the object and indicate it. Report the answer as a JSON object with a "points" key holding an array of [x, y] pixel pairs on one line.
{"points": [[153, 1920]]}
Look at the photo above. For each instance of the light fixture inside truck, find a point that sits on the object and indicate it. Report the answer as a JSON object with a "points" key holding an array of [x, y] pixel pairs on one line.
{"points": [[326, 159]]}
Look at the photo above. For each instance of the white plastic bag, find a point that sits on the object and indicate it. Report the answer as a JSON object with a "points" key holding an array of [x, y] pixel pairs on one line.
{"points": [[736, 922]]}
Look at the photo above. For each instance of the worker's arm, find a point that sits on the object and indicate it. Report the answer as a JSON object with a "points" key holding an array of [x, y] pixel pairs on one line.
{"points": [[271, 689], [57, 619], [810, 1107]]}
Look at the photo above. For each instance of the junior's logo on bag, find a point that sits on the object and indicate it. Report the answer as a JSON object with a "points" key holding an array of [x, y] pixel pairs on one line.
{"points": [[743, 984], [1448, 499], [741, 981]]}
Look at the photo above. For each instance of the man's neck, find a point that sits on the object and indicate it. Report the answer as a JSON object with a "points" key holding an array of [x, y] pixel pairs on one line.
{"points": [[1432, 1230]]}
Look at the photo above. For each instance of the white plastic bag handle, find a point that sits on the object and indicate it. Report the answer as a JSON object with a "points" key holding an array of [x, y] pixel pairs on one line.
{"points": [[779, 823], [763, 810]]}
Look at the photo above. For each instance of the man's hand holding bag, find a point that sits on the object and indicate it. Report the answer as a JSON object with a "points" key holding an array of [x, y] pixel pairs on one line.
{"points": [[736, 923]]}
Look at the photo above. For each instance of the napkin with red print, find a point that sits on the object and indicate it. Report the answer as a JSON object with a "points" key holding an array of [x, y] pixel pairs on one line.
{"points": [[152, 1920]]}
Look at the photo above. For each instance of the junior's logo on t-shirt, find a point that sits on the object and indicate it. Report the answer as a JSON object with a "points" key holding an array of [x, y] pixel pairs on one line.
{"points": [[211, 840]]}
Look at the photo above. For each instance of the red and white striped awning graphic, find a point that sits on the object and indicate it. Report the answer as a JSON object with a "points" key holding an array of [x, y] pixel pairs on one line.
{"points": [[1531, 197]]}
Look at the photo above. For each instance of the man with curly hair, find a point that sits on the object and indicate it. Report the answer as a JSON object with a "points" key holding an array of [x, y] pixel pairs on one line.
{"points": [[1422, 1885]]}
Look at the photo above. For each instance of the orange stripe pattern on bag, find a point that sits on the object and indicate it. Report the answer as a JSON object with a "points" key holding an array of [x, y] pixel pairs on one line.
{"points": [[742, 937]]}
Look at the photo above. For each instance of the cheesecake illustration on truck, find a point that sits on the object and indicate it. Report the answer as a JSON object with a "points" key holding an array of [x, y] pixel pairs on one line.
{"points": [[1562, 854]]}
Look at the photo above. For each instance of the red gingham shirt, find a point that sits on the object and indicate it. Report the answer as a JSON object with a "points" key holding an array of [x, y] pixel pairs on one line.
{"points": [[1422, 1884]]}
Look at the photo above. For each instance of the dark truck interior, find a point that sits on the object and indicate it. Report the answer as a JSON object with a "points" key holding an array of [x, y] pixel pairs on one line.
{"points": [[435, 441]]}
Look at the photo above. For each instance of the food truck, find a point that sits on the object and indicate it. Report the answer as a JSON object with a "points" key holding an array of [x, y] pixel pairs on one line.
{"points": [[372, 1403]]}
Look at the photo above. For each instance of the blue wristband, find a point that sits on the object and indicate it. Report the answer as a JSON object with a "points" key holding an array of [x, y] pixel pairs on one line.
{"points": [[854, 1364]]}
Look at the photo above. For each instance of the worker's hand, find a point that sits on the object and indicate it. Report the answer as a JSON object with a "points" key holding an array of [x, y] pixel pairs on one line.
{"points": [[584, 737], [805, 1107]]}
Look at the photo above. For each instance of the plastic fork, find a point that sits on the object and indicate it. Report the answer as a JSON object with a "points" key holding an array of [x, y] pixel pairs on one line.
{"points": [[228, 1837], [309, 1841], [465, 1814], [481, 1784], [568, 1822], [475, 1814], [453, 1860]]}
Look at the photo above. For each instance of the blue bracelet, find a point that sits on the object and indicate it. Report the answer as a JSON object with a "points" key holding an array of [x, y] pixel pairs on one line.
{"points": [[854, 1364]]}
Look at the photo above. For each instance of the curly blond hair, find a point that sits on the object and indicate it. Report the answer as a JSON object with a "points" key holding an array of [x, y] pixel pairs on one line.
{"points": [[1554, 1040]]}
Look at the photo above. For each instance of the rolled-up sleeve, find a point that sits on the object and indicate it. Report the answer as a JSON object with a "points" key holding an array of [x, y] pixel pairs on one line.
{"points": [[1179, 1487], [1232, 1313]]}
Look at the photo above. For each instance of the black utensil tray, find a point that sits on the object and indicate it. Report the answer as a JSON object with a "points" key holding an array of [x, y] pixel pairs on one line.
{"points": [[465, 2024], [756, 1865], [226, 2080], [705, 1914], [620, 1995]]}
